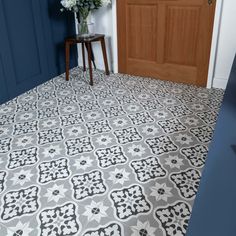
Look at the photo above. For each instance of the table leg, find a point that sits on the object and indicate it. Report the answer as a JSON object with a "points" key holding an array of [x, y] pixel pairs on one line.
{"points": [[83, 55], [88, 45], [67, 48], [104, 55]]}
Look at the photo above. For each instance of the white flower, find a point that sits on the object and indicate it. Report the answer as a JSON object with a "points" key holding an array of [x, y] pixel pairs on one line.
{"points": [[3, 131], [133, 108], [69, 109], [161, 192], [143, 229], [20, 229], [75, 131], [55, 193], [104, 140], [21, 177], [5, 109], [119, 176], [161, 114], [95, 211], [83, 163], [49, 123], [26, 116], [184, 139], [191, 121], [136, 150], [120, 122], [108, 102], [86, 97], [68, 4], [47, 103], [198, 107], [24, 141], [169, 101], [106, 2], [93, 115], [174, 162], [150, 130], [52, 151], [144, 96]]}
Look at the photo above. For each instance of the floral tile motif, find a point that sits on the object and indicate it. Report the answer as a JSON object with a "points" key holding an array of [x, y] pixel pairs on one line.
{"points": [[209, 117], [203, 133], [59, 221], [79, 146], [7, 119], [20, 228], [88, 185], [196, 155], [110, 156], [23, 157], [127, 135], [186, 182], [48, 112], [148, 169], [71, 119], [2, 180], [5, 145], [53, 170], [174, 218], [18, 203], [98, 127], [161, 145], [50, 136], [114, 111], [25, 127], [141, 118], [88, 105], [143, 229], [151, 104], [130, 202], [180, 110], [126, 99], [171, 126], [110, 229], [26, 106]]}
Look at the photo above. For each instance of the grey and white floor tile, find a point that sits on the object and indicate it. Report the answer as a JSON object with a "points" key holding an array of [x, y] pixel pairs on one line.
{"points": [[121, 158]]}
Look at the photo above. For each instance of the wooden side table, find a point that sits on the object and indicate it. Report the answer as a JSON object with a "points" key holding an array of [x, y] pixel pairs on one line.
{"points": [[86, 42]]}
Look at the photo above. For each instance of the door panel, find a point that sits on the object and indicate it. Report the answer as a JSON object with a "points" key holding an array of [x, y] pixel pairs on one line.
{"points": [[165, 39]]}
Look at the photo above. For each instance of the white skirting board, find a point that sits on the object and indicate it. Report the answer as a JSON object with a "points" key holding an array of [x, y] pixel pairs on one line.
{"points": [[220, 83]]}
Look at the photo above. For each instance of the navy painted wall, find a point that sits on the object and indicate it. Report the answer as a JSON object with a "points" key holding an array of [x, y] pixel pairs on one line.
{"points": [[31, 44], [214, 209]]}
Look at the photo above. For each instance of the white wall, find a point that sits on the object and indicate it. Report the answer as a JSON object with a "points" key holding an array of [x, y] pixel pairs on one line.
{"points": [[102, 19], [226, 44], [221, 57]]}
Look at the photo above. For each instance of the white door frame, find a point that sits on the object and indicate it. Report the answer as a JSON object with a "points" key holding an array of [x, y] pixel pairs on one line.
{"points": [[214, 45]]}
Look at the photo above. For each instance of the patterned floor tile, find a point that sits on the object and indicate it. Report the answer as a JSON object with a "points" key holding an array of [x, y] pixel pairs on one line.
{"points": [[123, 157]]}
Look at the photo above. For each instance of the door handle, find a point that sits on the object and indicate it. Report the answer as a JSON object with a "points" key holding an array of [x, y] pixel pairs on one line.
{"points": [[210, 2]]}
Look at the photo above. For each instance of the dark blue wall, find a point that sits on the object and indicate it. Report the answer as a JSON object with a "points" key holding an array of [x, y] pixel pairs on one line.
{"points": [[32, 33], [214, 211]]}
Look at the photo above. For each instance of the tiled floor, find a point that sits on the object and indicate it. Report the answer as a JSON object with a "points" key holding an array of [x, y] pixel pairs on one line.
{"points": [[123, 157]]}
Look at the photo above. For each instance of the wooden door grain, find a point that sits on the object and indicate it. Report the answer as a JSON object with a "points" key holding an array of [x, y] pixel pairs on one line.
{"points": [[165, 39]]}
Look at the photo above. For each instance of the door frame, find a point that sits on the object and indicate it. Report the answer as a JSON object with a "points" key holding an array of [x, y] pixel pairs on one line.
{"points": [[214, 45]]}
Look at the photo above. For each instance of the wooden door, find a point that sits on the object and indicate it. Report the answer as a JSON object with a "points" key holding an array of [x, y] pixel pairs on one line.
{"points": [[165, 39]]}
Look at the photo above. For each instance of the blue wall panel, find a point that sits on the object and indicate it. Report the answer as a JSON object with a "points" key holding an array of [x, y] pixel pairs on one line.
{"points": [[31, 44]]}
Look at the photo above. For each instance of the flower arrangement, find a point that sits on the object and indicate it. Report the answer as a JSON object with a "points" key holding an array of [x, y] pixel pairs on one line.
{"points": [[82, 8], [83, 5]]}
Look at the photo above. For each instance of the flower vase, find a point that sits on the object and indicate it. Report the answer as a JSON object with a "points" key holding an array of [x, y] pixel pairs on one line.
{"points": [[85, 28]]}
